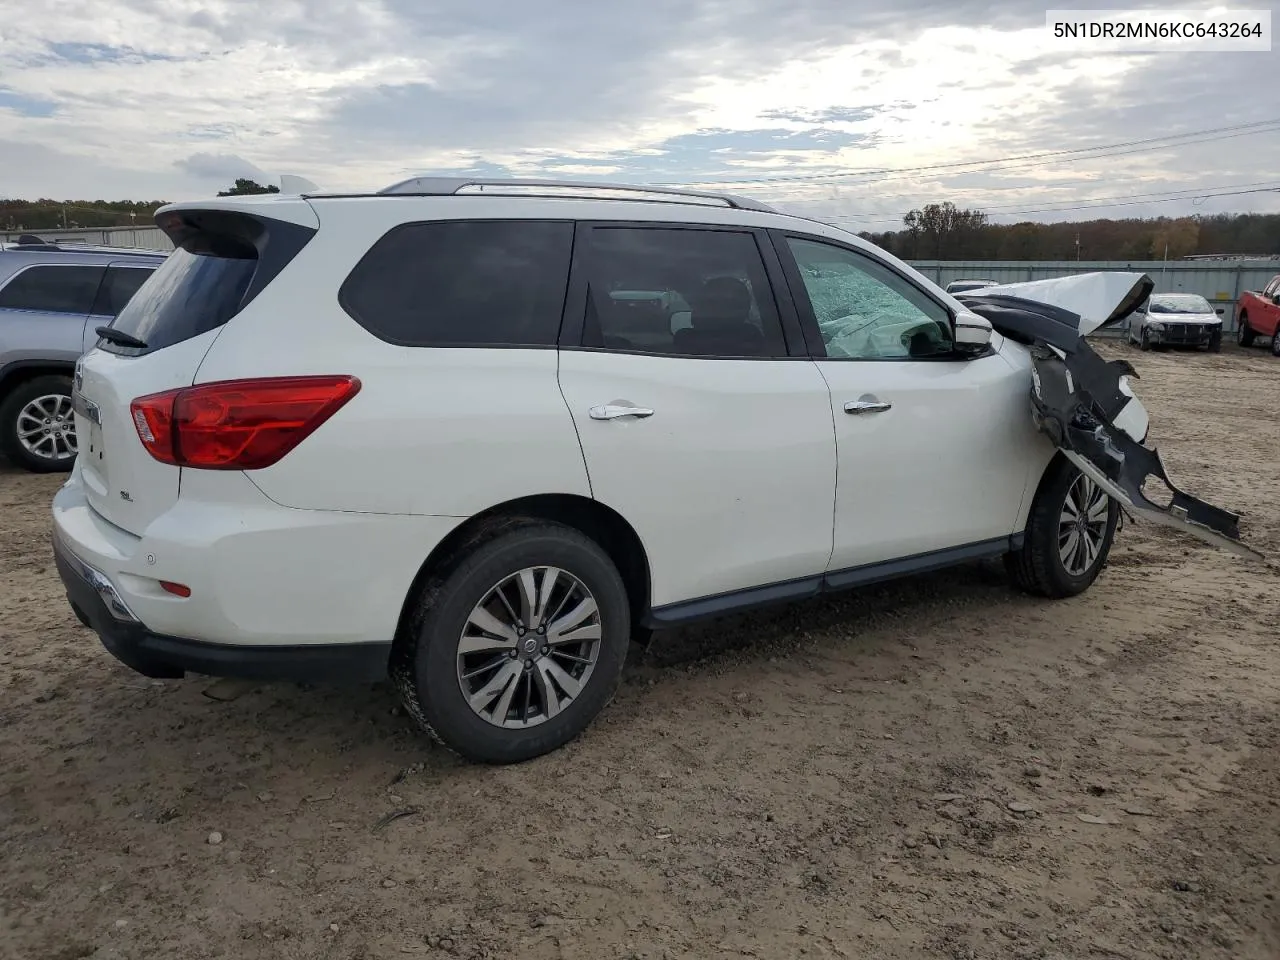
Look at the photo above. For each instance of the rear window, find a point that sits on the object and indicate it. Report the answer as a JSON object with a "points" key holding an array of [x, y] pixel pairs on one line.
{"points": [[53, 288], [190, 294], [223, 259], [463, 283]]}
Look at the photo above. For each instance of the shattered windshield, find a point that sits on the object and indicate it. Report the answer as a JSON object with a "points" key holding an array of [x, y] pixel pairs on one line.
{"points": [[1183, 303]]}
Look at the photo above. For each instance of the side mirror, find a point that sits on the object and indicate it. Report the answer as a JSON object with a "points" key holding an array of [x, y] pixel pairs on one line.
{"points": [[972, 332], [1220, 311], [1276, 299]]}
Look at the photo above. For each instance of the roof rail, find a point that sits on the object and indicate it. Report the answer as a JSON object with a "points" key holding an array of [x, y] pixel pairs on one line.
{"points": [[26, 245], [454, 186]]}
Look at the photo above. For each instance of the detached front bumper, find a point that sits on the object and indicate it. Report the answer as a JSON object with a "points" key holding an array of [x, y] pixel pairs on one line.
{"points": [[1076, 399], [98, 605]]}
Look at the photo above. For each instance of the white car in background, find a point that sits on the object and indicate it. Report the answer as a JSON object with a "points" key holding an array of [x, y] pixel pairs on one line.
{"points": [[478, 435], [1177, 320]]}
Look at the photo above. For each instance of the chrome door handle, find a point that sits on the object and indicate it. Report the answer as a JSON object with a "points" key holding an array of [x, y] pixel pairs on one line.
{"points": [[867, 404], [612, 411]]}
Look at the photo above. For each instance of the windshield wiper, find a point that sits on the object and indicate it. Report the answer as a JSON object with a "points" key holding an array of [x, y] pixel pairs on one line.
{"points": [[120, 337]]}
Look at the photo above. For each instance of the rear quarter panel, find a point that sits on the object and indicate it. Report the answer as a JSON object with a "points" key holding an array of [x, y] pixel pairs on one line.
{"points": [[433, 431]]}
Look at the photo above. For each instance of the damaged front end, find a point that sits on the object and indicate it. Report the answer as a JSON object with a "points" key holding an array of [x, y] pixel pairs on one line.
{"points": [[1083, 402]]}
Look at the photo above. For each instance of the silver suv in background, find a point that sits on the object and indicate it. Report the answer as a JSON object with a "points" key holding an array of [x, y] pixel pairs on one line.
{"points": [[52, 299]]}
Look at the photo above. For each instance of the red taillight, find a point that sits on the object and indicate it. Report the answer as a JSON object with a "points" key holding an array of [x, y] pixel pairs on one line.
{"points": [[237, 424]]}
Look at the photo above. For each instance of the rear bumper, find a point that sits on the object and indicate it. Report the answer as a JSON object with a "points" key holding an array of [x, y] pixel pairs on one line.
{"points": [[98, 604], [274, 592]]}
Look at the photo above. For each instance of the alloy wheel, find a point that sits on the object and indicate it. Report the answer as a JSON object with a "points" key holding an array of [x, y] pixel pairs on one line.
{"points": [[1082, 526], [47, 429], [529, 647]]}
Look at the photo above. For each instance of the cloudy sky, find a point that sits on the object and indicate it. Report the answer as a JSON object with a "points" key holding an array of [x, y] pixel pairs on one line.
{"points": [[792, 101]]}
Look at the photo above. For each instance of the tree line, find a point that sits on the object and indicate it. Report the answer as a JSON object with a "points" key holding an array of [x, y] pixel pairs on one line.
{"points": [[936, 231], [49, 214], [942, 231]]}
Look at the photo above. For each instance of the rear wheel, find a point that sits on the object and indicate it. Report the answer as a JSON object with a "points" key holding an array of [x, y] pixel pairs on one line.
{"points": [[513, 652], [1244, 335], [1068, 537], [37, 428]]}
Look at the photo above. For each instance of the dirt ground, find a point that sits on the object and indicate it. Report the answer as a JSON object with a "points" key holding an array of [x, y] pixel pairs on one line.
{"points": [[933, 768]]}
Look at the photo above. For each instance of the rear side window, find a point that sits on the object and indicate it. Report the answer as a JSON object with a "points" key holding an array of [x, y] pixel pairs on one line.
{"points": [[53, 288], [118, 288], [190, 294], [463, 283]]}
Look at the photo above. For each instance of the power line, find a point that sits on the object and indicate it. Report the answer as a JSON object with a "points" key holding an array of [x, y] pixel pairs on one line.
{"points": [[1027, 160], [1187, 193], [1097, 156], [1084, 206]]}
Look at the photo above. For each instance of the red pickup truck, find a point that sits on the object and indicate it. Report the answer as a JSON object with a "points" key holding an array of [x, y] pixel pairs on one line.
{"points": [[1259, 316]]}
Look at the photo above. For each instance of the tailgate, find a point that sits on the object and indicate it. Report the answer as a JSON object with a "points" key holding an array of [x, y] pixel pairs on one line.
{"points": [[122, 481]]}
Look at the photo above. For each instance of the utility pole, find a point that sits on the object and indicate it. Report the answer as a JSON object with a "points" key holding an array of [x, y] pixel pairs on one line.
{"points": [[1077, 248]]}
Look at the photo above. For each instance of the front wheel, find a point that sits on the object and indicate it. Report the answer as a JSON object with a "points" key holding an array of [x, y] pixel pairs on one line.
{"points": [[514, 652], [1215, 342], [37, 428], [1144, 340], [1068, 537], [1244, 334], [1275, 343]]}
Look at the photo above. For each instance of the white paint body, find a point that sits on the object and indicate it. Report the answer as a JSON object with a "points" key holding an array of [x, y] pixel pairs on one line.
{"points": [[749, 472]]}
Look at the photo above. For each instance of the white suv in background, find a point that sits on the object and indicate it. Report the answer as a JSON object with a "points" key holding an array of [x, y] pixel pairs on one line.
{"points": [[478, 435]]}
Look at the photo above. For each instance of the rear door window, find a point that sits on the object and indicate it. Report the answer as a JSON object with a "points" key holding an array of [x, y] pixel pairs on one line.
{"points": [[463, 283], [118, 288], [53, 288], [681, 291]]}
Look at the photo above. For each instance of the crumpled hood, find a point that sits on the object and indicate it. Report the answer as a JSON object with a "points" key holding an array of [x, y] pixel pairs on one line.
{"points": [[1099, 299]]}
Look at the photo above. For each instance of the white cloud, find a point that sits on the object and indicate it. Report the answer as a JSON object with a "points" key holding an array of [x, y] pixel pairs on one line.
{"points": [[171, 98]]}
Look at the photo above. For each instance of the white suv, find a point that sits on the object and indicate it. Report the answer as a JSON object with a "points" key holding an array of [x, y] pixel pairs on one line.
{"points": [[479, 435]]}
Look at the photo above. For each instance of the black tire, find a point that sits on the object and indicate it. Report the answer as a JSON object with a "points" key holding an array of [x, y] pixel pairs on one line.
{"points": [[1215, 342], [425, 668], [1038, 567], [1244, 334], [11, 408], [1275, 343], [1144, 340]]}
